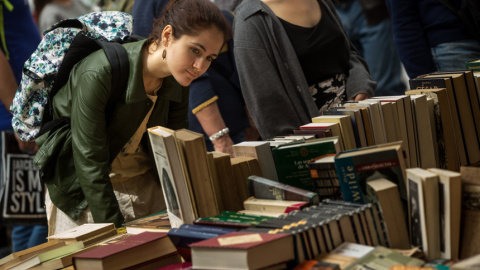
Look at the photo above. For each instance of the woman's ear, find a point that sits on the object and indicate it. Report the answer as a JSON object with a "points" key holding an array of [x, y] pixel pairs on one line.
{"points": [[167, 35]]}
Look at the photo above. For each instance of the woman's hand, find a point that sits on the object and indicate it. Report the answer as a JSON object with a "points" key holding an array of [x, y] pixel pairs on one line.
{"points": [[360, 96]]}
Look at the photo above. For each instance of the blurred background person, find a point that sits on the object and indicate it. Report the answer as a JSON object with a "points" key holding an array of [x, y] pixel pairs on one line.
{"points": [[50, 12], [430, 37], [294, 61], [20, 37], [369, 28]]}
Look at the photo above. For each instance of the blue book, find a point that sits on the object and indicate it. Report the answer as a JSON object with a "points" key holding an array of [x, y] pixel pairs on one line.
{"points": [[356, 167], [205, 228]]}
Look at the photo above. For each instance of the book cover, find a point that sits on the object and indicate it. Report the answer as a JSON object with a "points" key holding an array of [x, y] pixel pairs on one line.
{"points": [[173, 176], [182, 238], [126, 252], [263, 188], [424, 211], [450, 206], [402, 111], [355, 168], [291, 161], [324, 177], [470, 236], [227, 195], [48, 255], [195, 152], [426, 156], [18, 256], [242, 250], [385, 193]]}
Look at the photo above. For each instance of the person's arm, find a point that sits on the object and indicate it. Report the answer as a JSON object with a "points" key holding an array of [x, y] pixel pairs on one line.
{"points": [[410, 38], [8, 87], [212, 122], [90, 144], [203, 104]]}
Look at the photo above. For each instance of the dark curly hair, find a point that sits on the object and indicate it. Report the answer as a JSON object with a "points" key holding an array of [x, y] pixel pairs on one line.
{"points": [[189, 17]]}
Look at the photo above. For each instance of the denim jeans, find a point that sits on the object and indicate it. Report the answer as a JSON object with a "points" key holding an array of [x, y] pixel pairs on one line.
{"points": [[376, 45], [25, 236], [453, 55]]}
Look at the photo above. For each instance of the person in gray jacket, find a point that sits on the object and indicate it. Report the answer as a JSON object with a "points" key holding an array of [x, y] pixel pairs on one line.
{"points": [[294, 60]]}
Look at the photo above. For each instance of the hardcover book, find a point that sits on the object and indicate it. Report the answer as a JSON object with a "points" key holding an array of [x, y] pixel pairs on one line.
{"points": [[48, 255], [424, 211], [243, 250], [291, 161], [261, 151], [263, 188], [385, 194], [444, 128], [450, 206], [127, 252], [173, 174], [355, 168], [195, 152], [158, 222], [324, 177], [83, 232], [346, 127]]}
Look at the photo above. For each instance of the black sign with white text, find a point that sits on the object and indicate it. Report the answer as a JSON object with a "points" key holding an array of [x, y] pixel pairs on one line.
{"points": [[23, 193]]}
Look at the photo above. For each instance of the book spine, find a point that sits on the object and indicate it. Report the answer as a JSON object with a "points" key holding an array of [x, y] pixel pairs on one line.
{"points": [[348, 179]]}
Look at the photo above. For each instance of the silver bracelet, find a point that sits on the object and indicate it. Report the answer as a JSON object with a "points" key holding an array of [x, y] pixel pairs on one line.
{"points": [[219, 134]]}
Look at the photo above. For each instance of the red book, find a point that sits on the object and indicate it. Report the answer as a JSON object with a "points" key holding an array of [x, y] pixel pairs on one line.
{"points": [[126, 252], [243, 250]]}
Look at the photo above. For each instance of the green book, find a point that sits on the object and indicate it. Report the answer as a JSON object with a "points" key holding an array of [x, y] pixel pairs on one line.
{"points": [[48, 255], [291, 160]]}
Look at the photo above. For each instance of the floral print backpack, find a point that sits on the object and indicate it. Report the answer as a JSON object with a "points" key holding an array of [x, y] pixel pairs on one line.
{"points": [[63, 45]]}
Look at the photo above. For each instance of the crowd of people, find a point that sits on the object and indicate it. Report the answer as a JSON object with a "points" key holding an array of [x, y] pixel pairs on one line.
{"points": [[232, 70]]}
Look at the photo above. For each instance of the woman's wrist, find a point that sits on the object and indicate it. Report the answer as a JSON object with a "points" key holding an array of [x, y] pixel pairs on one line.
{"points": [[219, 134]]}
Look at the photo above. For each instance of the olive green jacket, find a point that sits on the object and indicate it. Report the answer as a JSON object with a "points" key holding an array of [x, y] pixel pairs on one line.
{"points": [[76, 158]]}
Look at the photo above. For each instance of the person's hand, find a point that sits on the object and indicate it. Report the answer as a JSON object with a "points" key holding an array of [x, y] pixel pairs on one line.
{"points": [[223, 144], [27, 147], [360, 96]]}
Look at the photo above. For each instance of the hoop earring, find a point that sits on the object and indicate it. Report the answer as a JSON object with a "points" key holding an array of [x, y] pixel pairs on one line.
{"points": [[164, 54]]}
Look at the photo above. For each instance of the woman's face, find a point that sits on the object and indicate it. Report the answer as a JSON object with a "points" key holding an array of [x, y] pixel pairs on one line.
{"points": [[190, 56]]}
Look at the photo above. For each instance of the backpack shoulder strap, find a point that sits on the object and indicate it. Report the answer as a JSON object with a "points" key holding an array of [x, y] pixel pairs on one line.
{"points": [[118, 58]]}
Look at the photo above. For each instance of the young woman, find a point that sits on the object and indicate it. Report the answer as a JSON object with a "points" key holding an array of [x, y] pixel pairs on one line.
{"points": [[294, 61], [115, 178]]}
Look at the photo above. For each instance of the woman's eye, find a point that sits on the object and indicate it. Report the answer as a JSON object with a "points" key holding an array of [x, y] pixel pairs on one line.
{"points": [[210, 59], [196, 51]]}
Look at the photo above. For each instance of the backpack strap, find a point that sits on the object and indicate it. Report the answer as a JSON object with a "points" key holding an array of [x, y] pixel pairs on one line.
{"points": [[120, 65]]}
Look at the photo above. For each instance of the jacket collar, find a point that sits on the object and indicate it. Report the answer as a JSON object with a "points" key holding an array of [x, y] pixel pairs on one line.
{"points": [[250, 7], [171, 89]]}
